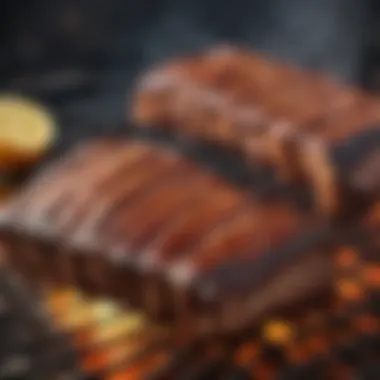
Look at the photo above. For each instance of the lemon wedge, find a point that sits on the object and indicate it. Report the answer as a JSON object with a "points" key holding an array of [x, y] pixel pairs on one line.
{"points": [[27, 131]]}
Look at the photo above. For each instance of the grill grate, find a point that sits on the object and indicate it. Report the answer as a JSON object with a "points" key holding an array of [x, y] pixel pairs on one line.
{"points": [[69, 337]]}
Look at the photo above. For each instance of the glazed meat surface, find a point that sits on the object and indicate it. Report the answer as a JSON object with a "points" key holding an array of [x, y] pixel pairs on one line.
{"points": [[273, 113], [146, 226]]}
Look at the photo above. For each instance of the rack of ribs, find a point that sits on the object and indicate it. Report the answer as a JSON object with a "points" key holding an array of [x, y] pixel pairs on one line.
{"points": [[147, 227], [303, 124]]}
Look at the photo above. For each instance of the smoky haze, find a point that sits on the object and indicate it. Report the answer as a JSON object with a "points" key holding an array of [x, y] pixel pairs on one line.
{"points": [[83, 55]]}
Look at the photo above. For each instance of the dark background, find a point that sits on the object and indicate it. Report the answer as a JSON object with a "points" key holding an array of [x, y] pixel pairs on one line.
{"points": [[81, 56]]}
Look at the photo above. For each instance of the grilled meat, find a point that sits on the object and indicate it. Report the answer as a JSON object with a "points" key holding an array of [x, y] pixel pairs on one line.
{"points": [[144, 225], [303, 124]]}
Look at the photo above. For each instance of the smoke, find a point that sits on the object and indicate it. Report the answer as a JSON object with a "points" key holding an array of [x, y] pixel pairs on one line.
{"points": [[110, 42], [326, 34]]}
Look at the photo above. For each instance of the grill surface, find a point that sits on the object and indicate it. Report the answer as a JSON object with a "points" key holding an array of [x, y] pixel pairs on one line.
{"points": [[69, 337]]}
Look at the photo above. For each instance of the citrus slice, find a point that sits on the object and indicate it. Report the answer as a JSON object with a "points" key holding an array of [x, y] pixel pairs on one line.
{"points": [[27, 131]]}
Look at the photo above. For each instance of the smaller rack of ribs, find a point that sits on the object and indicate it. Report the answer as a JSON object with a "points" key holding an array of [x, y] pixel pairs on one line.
{"points": [[142, 224], [305, 125]]}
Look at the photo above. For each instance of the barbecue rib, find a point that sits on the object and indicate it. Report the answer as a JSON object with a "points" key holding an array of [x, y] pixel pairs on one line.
{"points": [[305, 125], [143, 225]]}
